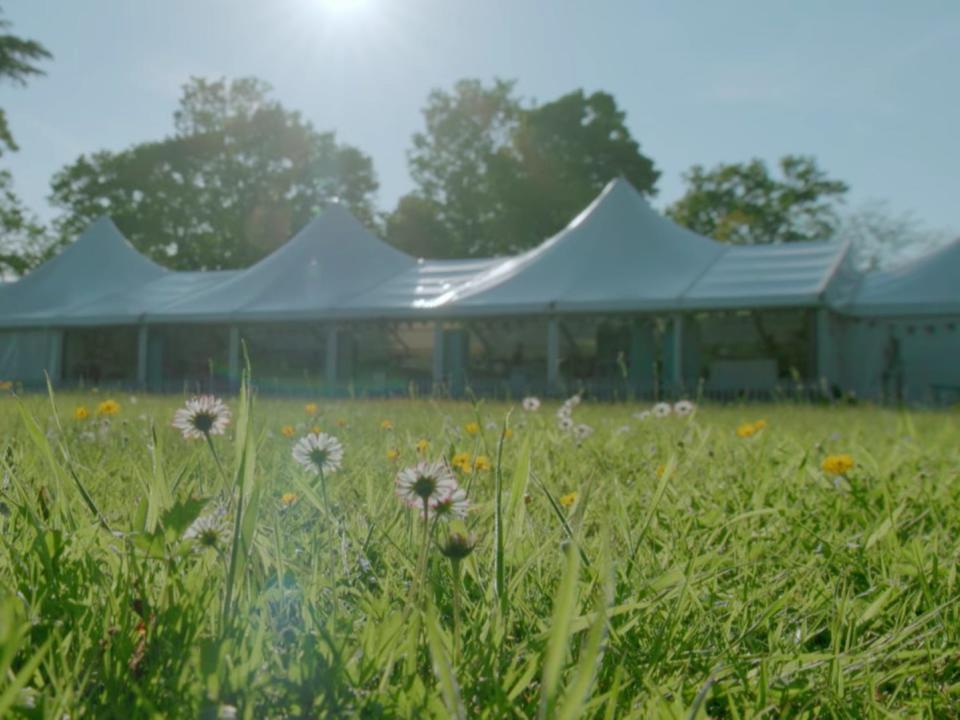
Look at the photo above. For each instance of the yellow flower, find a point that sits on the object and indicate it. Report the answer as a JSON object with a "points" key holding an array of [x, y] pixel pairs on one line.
{"points": [[661, 469], [482, 463], [423, 445], [341, 423], [747, 430], [288, 498], [288, 431], [393, 454], [837, 464], [316, 430], [461, 461], [760, 424], [80, 412], [5, 385], [310, 408], [472, 428], [108, 407], [568, 499], [386, 424], [508, 433]]}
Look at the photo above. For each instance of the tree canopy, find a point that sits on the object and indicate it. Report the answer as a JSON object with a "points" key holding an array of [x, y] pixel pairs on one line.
{"points": [[18, 58], [237, 178], [743, 203], [495, 175]]}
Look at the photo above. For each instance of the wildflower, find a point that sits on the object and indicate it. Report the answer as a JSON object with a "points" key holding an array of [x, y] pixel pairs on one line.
{"points": [[482, 463], [386, 424], [573, 401], [507, 433], [6, 385], [108, 407], [320, 454], [393, 454], [288, 431], [80, 412], [662, 410], [565, 423], [454, 505], [838, 464], [568, 499], [316, 430], [661, 469], [472, 428], [564, 411], [461, 461], [582, 431], [747, 430], [683, 408], [422, 445], [204, 415], [623, 430], [760, 424], [459, 545], [288, 499], [531, 404], [341, 423], [311, 408], [642, 415], [425, 484], [210, 530]]}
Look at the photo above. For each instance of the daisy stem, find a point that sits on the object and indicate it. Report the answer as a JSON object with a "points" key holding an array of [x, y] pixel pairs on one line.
{"points": [[422, 562], [216, 459], [455, 563], [323, 492]]}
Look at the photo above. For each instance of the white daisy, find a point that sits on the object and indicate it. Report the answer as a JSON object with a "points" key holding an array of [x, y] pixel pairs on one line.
{"points": [[573, 401], [210, 530], [564, 411], [565, 423], [203, 415], [623, 429], [531, 404], [425, 483], [454, 505], [683, 408], [582, 432], [642, 415], [662, 410], [319, 453]]}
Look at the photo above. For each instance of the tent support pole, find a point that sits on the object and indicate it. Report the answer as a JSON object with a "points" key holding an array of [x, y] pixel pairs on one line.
{"points": [[330, 368], [142, 341], [437, 355], [553, 353], [676, 372], [55, 362], [233, 361]]}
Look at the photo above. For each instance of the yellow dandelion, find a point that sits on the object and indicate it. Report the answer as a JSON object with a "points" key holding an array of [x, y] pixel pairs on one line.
{"points": [[108, 407], [80, 412], [422, 445], [316, 430], [472, 428], [568, 499], [288, 499], [661, 469], [386, 424], [508, 433], [747, 430], [760, 424], [461, 461], [341, 423], [482, 463], [311, 408], [393, 454], [288, 431], [838, 464], [6, 385]]}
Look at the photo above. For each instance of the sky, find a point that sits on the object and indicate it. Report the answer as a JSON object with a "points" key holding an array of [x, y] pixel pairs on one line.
{"points": [[868, 87]]}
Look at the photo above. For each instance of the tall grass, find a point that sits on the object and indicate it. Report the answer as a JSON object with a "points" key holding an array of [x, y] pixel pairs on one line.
{"points": [[697, 574]]}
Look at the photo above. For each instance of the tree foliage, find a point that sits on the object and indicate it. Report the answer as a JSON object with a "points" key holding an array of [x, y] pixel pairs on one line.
{"points": [[882, 238], [496, 176], [238, 177], [744, 203], [18, 58], [24, 243]]}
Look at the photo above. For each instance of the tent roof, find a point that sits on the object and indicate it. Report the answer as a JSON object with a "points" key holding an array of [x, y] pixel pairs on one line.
{"points": [[98, 263], [331, 260], [755, 276], [618, 254], [929, 285]]}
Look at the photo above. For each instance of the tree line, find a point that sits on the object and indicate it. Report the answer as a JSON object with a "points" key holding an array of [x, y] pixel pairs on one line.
{"points": [[493, 174]]}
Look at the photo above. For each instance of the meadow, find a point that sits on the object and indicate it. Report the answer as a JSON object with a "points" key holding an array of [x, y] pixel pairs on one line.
{"points": [[708, 565]]}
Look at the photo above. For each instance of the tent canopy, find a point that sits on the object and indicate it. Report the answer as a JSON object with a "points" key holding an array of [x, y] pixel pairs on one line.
{"points": [[618, 254], [101, 262], [929, 285], [331, 260]]}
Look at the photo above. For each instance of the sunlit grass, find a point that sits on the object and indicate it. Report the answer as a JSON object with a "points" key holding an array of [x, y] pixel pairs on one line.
{"points": [[660, 568]]}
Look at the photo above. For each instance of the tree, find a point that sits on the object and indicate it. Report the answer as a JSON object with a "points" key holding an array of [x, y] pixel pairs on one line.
{"points": [[24, 243], [743, 203], [17, 58], [882, 239], [494, 175], [239, 176]]}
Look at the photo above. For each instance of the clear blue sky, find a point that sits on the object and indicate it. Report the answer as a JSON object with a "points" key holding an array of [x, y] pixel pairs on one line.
{"points": [[870, 87]]}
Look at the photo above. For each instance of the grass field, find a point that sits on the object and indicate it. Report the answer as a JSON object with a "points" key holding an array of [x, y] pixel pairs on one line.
{"points": [[659, 568]]}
